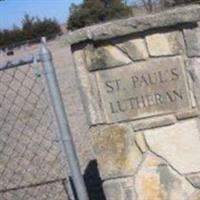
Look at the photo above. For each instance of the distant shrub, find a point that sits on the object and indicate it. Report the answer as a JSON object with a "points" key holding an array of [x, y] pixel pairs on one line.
{"points": [[32, 28], [95, 11]]}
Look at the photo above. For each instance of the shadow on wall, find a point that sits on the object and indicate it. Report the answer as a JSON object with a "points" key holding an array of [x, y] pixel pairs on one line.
{"points": [[93, 182]]}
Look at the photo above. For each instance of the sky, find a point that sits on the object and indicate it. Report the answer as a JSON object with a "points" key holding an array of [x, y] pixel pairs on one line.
{"points": [[12, 11]]}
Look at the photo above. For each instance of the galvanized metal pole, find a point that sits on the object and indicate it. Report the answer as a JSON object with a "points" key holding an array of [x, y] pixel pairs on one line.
{"points": [[62, 121]]}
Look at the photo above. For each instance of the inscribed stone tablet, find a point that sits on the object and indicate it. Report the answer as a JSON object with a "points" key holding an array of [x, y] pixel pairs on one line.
{"points": [[144, 89]]}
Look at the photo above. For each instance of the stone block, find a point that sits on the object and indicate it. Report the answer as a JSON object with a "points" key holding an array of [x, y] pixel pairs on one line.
{"points": [[116, 151], [165, 44], [179, 144], [120, 189], [194, 71], [105, 57], [156, 180], [119, 28], [192, 41], [140, 141], [154, 122], [144, 89], [195, 196], [89, 90], [194, 178], [135, 49], [187, 114]]}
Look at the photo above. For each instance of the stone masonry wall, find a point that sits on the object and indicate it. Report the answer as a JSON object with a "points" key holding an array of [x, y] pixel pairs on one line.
{"points": [[147, 148], [139, 81]]}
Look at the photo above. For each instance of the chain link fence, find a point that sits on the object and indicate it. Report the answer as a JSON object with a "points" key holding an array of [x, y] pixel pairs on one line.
{"points": [[31, 165]]}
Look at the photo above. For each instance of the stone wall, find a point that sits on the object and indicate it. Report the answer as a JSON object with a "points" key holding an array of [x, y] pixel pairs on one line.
{"points": [[139, 83]]}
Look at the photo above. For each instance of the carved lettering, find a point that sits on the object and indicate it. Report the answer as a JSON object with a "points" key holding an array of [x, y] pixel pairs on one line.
{"points": [[112, 86], [155, 78], [131, 92], [149, 100]]}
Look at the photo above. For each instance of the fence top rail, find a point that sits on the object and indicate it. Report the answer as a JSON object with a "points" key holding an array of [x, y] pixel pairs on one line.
{"points": [[19, 62], [118, 28]]}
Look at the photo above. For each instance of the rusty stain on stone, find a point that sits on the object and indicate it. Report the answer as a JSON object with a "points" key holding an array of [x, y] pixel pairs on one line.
{"points": [[116, 152]]}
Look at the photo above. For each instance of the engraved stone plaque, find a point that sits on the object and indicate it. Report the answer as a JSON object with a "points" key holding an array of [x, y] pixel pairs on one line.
{"points": [[139, 90]]}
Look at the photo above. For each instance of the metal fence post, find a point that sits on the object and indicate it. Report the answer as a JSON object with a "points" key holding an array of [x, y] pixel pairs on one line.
{"points": [[62, 121]]}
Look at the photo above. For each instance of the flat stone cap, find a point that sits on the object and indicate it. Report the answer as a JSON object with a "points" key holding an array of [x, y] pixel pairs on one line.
{"points": [[117, 28]]}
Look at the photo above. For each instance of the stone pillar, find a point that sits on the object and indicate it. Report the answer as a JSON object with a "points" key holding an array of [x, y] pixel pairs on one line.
{"points": [[139, 80]]}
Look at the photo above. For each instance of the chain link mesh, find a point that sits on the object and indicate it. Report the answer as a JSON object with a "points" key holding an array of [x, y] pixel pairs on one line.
{"points": [[31, 166]]}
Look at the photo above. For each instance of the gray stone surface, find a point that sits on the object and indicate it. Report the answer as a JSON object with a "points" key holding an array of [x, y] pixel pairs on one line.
{"points": [[165, 44], [179, 144], [154, 122], [105, 57], [194, 71], [157, 86], [69, 86], [135, 49], [118, 28], [156, 180], [116, 151], [141, 142], [194, 178], [187, 114], [89, 90], [192, 41], [120, 189], [195, 196]]}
